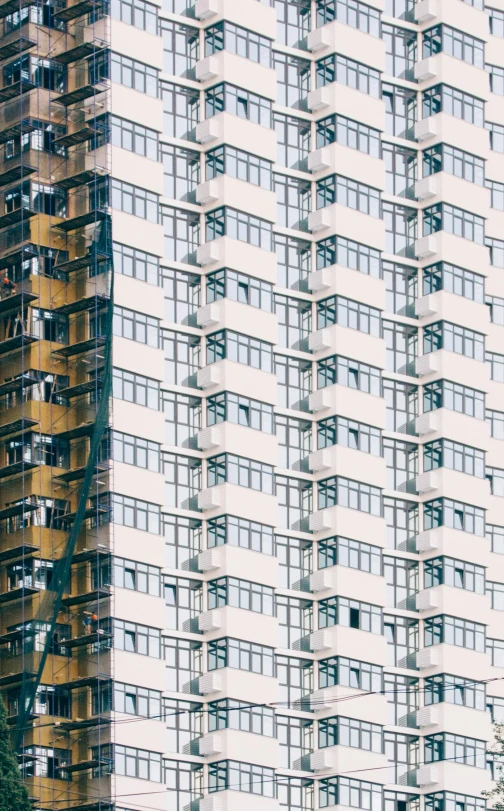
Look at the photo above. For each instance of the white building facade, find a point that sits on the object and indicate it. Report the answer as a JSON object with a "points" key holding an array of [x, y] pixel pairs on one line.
{"points": [[307, 416]]}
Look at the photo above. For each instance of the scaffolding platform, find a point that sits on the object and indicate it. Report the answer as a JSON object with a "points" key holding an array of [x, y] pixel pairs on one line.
{"points": [[81, 221], [77, 10], [17, 426], [89, 597], [17, 46], [10, 91], [17, 468], [88, 639], [77, 96], [16, 301], [80, 305], [81, 347], [79, 52], [16, 173], [78, 137], [25, 550], [17, 594], [13, 6]]}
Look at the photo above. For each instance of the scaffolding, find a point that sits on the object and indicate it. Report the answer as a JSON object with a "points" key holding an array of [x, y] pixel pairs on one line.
{"points": [[56, 309]]}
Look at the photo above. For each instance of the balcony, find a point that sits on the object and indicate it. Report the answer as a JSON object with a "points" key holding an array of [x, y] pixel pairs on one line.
{"points": [[350, 583], [458, 775], [228, 621], [229, 800], [228, 375], [229, 129], [444, 658], [233, 253], [358, 165], [335, 339], [454, 543], [232, 561], [253, 688], [453, 602], [337, 218], [345, 641], [444, 422], [348, 402], [455, 718], [247, 74], [248, 14], [346, 759], [349, 41], [348, 462], [453, 366], [336, 97], [239, 317], [239, 194], [242, 501]]}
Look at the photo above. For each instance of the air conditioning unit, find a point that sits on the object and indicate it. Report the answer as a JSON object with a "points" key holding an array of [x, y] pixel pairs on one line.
{"points": [[425, 306], [425, 69], [208, 253], [319, 160], [210, 621], [426, 128], [426, 246], [210, 745], [208, 438], [427, 187], [318, 99], [319, 340], [212, 802], [426, 364], [427, 657], [319, 400], [210, 683], [321, 760], [427, 600], [207, 131], [321, 580], [318, 39], [426, 10], [320, 640], [426, 482], [205, 9], [209, 560], [319, 280], [206, 69], [427, 776], [427, 423], [319, 220], [209, 499], [208, 376], [319, 460], [427, 541], [208, 315], [427, 717], [321, 700], [207, 192], [320, 521]]}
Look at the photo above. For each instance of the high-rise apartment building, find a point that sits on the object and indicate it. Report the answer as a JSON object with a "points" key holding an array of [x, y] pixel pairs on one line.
{"points": [[252, 402]]}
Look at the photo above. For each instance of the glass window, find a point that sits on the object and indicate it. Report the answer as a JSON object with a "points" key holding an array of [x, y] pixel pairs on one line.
{"points": [[454, 514], [349, 12], [337, 68], [345, 131], [239, 102], [136, 12], [227, 160]]}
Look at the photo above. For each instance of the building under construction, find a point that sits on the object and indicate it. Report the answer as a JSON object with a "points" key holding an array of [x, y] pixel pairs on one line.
{"points": [[252, 402], [55, 349]]}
